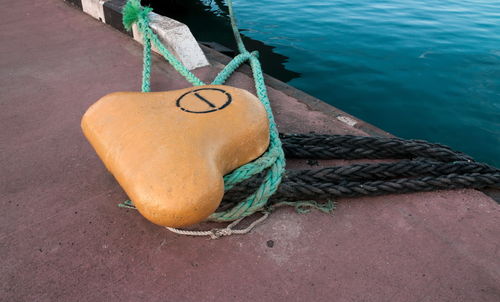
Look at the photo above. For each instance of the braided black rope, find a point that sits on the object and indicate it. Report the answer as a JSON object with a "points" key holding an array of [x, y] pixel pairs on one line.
{"points": [[423, 167], [323, 146]]}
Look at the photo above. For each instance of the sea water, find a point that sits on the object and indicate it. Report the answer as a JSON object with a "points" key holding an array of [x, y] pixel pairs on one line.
{"points": [[426, 69]]}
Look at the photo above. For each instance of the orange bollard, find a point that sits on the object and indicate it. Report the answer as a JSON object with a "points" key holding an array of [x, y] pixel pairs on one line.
{"points": [[170, 150]]}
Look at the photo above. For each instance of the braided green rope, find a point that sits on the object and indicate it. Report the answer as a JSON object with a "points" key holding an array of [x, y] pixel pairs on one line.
{"points": [[273, 159], [146, 70], [134, 13]]}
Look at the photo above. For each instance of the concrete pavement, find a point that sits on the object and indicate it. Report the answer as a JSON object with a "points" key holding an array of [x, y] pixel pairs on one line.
{"points": [[64, 239]]}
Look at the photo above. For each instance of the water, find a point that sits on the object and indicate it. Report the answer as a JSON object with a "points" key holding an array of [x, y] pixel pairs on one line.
{"points": [[427, 69]]}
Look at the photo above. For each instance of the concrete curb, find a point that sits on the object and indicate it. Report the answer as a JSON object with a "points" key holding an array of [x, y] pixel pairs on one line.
{"points": [[174, 35]]}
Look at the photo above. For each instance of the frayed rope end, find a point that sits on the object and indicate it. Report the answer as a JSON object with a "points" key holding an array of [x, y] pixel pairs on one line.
{"points": [[303, 207], [132, 11]]}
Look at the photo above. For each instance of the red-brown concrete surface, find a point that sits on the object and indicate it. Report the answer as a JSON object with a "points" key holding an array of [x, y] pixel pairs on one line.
{"points": [[62, 237]]}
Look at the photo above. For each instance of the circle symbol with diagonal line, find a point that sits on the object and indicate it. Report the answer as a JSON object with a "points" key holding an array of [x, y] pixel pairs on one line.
{"points": [[204, 100]]}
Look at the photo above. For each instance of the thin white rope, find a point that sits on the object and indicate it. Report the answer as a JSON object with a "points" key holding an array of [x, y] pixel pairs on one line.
{"points": [[227, 231]]}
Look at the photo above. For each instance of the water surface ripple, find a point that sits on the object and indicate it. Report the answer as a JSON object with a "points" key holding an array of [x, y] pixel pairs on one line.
{"points": [[426, 69]]}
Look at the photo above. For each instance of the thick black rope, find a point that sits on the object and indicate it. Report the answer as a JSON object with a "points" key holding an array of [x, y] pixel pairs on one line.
{"points": [[323, 146], [424, 167]]}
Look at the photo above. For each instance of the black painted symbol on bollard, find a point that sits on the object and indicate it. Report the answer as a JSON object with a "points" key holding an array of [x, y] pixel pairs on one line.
{"points": [[196, 101]]}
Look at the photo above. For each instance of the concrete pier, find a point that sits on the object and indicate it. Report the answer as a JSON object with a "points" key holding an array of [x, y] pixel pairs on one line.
{"points": [[63, 238]]}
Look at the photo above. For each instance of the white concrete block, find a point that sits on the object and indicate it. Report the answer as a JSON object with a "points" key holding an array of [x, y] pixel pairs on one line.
{"points": [[177, 38], [94, 8]]}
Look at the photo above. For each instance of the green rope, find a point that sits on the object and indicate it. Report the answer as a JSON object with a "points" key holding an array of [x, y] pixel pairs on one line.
{"points": [[127, 204], [134, 13], [273, 159], [304, 207]]}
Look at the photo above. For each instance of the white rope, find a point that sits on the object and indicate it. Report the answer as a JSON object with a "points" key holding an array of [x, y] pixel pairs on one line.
{"points": [[213, 233], [227, 231]]}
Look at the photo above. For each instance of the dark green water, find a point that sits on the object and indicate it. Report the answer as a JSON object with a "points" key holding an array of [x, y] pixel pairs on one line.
{"points": [[418, 69]]}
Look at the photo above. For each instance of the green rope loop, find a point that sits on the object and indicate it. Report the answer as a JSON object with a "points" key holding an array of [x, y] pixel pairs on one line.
{"points": [[273, 159]]}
